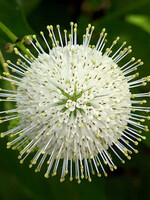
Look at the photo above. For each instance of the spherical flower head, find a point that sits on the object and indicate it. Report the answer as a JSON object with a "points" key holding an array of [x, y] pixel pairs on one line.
{"points": [[75, 104]]}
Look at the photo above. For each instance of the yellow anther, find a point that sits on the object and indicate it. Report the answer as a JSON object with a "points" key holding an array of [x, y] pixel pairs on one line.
{"points": [[111, 118], [89, 25], [123, 162], [54, 173], [75, 25], [132, 59], [141, 63], [43, 152], [105, 174], [93, 27], [5, 65], [144, 83], [133, 96], [36, 137], [98, 174], [48, 162], [135, 150], [57, 157], [69, 105], [130, 152], [112, 169], [75, 29], [28, 151], [82, 176], [27, 72], [21, 161], [51, 91], [16, 51], [34, 36], [71, 178], [88, 36], [50, 35], [59, 125], [115, 167], [89, 179], [58, 26], [19, 157], [51, 27], [31, 101], [8, 61], [30, 166], [129, 157], [43, 114], [33, 162], [46, 175], [32, 117], [93, 172], [136, 143], [147, 78], [48, 27], [130, 51], [8, 143], [37, 169], [105, 162], [124, 43], [72, 63], [103, 30], [143, 137], [2, 135], [19, 111], [48, 133], [91, 156], [62, 179], [142, 120], [67, 139], [71, 23]]}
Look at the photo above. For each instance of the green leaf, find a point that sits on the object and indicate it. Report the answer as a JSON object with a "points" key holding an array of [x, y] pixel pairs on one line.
{"points": [[140, 20], [29, 5], [123, 7]]}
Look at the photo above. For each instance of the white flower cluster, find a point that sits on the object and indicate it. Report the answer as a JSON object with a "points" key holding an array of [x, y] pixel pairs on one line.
{"points": [[75, 104]]}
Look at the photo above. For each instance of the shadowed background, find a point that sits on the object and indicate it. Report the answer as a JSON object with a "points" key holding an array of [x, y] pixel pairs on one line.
{"points": [[129, 19]]}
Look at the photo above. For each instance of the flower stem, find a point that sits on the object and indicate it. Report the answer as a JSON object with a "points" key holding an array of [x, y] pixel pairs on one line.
{"points": [[2, 61], [13, 38]]}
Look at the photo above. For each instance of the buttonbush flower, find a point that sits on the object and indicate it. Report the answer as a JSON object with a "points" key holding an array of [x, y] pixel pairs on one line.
{"points": [[74, 104]]}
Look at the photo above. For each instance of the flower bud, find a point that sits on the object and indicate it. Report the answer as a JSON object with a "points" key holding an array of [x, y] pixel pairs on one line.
{"points": [[27, 39], [9, 48]]}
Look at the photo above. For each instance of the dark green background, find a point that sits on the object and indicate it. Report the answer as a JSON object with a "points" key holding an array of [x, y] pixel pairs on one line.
{"points": [[129, 19]]}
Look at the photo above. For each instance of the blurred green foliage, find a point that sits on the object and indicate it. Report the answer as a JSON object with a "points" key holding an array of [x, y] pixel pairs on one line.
{"points": [[130, 19]]}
